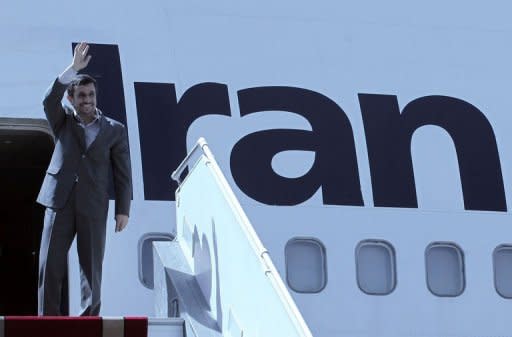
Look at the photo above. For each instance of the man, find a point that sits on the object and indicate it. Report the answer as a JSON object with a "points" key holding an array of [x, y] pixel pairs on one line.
{"points": [[75, 188]]}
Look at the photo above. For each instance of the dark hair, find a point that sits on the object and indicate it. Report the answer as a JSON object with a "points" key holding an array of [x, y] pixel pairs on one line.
{"points": [[81, 79]]}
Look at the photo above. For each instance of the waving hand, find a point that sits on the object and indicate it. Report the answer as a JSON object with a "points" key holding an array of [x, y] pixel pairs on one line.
{"points": [[80, 57]]}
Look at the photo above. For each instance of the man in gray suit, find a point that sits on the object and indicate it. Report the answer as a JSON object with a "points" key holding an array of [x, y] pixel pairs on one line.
{"points": [[75, 188]]}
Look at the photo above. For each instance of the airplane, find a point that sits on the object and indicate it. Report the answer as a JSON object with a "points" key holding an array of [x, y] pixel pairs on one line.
{"points": [[367, 143]]}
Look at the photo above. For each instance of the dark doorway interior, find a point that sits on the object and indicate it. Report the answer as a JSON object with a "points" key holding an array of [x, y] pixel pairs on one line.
{"points": [[25, 151]]}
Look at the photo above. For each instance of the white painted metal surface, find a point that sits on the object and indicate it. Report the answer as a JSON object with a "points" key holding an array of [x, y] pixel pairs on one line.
{"points": [[235, 273], [169, 327]]}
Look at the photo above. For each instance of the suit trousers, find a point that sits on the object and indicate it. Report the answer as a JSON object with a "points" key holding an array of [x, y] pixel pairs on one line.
{"points": [[60, 227]]}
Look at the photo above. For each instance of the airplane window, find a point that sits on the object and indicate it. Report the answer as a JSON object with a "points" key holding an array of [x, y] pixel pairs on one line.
{"points": [[375, 267], [145, 254], [502, 259], [306, 268], [445, 269]]}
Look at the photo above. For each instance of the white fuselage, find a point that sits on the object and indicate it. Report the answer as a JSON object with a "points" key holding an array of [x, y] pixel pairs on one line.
{"points": [[340, 53]]}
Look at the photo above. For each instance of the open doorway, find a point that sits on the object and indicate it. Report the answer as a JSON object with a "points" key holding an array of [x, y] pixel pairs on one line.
{"points": [[26, 146]]}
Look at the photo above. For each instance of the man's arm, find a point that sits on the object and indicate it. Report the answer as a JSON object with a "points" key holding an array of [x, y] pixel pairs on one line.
{"points": [[53, 108], [52, 101], [121, 169]]}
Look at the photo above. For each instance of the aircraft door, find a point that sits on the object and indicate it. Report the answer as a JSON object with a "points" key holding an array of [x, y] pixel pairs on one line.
{"points": [[26, 146]]}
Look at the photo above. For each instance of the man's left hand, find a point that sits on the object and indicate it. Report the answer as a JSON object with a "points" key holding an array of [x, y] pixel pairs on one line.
{"points": [[121, 222]]}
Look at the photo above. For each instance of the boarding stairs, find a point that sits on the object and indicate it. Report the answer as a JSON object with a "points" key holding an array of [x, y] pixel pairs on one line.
{"points": [[216, 275]]}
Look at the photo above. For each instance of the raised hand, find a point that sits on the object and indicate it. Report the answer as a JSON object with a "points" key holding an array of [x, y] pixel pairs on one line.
{"points": [[80, 57]]}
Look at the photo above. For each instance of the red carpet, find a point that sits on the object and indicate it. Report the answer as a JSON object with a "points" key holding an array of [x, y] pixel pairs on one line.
{"points": [[135, 327], [30, 326]]}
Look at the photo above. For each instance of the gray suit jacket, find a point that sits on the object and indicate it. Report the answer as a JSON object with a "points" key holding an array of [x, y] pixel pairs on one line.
{"points": [[72, 162]]}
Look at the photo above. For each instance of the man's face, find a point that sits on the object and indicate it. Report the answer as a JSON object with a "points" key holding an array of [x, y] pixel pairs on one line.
{"points": [[84, 100]]}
